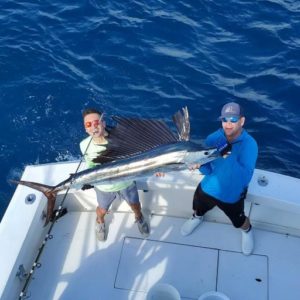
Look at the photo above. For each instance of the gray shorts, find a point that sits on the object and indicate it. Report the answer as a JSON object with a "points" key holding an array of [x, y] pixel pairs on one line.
{"points": [[129, 194]]}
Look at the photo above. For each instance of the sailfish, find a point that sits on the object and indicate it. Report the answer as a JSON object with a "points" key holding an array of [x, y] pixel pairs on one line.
{"points": [[136, 148]]}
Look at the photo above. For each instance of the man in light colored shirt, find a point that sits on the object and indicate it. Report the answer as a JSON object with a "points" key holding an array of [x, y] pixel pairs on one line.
{"points": [[91, 147]]}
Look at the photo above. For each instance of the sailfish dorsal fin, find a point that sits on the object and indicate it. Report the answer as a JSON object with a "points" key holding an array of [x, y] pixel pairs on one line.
{"points": [[132, 136], [182, 121]]}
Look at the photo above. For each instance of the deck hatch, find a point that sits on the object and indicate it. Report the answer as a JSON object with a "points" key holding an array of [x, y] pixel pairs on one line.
{"points": [[243, 277], [144, 263]]}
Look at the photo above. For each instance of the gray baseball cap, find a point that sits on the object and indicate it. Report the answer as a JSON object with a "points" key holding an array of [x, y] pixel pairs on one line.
{"points": [[232, 109]]}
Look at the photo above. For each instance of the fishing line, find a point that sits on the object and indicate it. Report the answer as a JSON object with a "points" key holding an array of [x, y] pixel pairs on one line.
{"points": [[49, 236]]}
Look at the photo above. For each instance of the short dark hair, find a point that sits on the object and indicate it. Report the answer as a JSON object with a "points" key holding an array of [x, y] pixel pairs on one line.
{"points": [[91, 111]]}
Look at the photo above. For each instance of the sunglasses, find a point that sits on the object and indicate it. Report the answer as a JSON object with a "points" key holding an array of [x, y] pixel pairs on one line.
{"points": [[89, 124], [230, 119]]}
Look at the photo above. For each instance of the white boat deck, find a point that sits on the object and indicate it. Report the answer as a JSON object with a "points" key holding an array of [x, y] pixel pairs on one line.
{"points": [[76, 266]]}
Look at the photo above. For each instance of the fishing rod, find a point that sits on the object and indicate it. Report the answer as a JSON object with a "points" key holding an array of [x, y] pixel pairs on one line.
{"points": [[58, 213]]}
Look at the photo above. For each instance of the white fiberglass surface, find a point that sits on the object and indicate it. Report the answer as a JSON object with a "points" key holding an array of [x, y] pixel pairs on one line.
{"points": [[76, 266]]}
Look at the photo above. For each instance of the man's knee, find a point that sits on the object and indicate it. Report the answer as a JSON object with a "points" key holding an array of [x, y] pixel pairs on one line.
{"points": [[101, 211]]}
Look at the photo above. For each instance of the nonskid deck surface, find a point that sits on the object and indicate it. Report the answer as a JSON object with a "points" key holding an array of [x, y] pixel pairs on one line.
{"points": [[76, 266]]}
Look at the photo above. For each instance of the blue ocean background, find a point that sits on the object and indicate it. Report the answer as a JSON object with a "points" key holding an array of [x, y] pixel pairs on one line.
{"points": [[147, 59]]}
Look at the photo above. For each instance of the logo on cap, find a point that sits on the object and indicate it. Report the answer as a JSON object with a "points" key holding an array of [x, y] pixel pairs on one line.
{"points": [[230, 109]]}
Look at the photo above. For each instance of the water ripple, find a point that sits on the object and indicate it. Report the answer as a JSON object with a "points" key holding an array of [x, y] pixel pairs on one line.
{"points": [[149, 59]]}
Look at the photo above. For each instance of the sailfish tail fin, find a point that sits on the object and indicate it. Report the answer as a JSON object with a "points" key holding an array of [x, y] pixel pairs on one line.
{"points": [[49, 191], [182, 121]]}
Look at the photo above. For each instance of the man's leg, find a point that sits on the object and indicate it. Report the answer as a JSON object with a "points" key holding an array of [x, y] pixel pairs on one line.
{"points": [[235, 212], [100, 225], [130, 194], [136, 208], [139, 219], [247, 237], [100, 212], [104, 201], [201, 204]]}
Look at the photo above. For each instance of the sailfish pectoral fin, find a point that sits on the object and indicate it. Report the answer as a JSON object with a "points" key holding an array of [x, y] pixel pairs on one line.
{"points": [[49, 191]]}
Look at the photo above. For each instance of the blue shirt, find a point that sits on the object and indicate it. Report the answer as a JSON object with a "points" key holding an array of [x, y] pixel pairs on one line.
{"points": [[226, 178]]}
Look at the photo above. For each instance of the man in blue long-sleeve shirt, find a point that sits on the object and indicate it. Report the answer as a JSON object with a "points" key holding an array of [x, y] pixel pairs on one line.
{"points": [[226, 179]]}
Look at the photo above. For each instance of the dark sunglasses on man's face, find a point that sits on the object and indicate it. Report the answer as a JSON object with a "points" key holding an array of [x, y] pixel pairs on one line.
{"points": [[230, 119]]}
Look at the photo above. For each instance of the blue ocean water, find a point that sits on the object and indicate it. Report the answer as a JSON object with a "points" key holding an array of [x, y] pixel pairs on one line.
{"points": [[145, 58]]}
